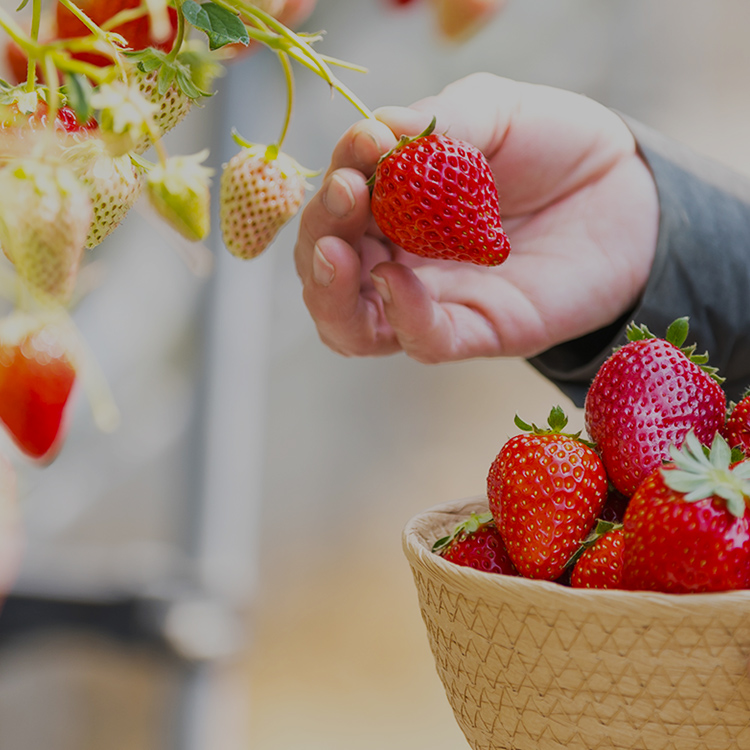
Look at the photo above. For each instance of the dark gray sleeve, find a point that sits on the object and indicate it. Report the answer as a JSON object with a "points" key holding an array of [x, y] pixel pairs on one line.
{"points": [[701, 269]]}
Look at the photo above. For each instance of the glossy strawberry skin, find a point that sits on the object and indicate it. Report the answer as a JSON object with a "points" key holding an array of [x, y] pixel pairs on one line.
{"points": [[436, 197], [673, 546], [600, 566], [545, 491], [646, 396], [736, 431], [482, 549], [36, 381], [66, 121]]}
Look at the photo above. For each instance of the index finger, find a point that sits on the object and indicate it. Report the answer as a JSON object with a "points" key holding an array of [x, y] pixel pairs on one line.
{"points": [[361, 146]]}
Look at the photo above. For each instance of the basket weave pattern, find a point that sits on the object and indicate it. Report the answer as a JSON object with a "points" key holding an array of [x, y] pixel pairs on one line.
{"points": [[531, 665]]}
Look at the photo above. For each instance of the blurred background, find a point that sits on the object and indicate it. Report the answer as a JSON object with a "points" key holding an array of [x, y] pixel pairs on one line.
{"points": [[225, 570]]}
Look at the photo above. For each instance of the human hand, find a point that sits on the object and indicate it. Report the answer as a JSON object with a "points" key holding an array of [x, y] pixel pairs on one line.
{"points": [[578, 203]]}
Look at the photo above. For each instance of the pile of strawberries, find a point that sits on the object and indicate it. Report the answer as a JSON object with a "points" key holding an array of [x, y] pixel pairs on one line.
{"points": [[657, 498]]}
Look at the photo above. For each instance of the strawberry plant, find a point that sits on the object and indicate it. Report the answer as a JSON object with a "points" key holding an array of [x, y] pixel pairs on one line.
{"points": [[97, 84]]}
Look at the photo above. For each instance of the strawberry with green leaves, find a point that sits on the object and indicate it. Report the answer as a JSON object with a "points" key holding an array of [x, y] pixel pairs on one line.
{"points": [[545, 488], [687, 527], [646, 397], [37, 377], [435, 196], [598, 564], [261, 190], [476, 543]]}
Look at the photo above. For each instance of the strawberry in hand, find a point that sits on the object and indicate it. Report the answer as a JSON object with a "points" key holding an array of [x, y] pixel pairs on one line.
{"points": [[476, 543], [545, 489], [37, 376], [435, 196], [687, 527]]}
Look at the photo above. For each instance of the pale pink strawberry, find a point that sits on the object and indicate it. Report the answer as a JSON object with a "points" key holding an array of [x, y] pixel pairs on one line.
{"points": [[171, 86], [114, 184], [261, 190], [45, 216]]}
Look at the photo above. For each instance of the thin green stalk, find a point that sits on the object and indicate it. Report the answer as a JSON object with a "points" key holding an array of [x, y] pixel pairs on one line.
{"points": [[284, 39], [289, 76], [180, 38], [36, 20], [97, 32], [82, 17], [53, 84]]}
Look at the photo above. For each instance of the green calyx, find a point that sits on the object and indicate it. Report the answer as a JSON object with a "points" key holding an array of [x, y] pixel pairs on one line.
{"points": [[557, 421], [698, 473], [404, 140], [192, 71], [602, 528], [471, 525], [677, 334]]}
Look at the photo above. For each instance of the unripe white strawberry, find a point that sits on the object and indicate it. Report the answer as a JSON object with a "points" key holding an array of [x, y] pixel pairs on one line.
{"points": [[114, 184], [45, 216], [179, 190], [171, 86], [261, 190]]}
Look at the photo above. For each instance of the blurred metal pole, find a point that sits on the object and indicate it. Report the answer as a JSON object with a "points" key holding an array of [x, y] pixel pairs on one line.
{"points": [[228, 466]]}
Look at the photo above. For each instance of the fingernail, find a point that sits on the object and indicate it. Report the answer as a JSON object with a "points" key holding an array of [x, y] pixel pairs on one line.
{"points": [[381, 287], [323, 270], [338, 197], [366, 148]]}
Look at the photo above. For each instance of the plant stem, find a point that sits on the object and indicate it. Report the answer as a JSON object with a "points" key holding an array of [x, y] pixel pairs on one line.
{"points": [[36, 20], [180, 38], [274, 34], [289, 76]]}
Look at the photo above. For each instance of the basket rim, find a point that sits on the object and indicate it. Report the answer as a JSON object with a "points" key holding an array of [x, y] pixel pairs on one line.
{"points": [[440, 519]]}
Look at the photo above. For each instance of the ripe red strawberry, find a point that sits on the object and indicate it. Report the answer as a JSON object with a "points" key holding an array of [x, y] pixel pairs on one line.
{"points": [[647, 396], [37, 376], [261, 190], [687, 528], [66, 122], [137, 32], [476, 544], [545, 490], [599, 565], [435, 196], [736, 430]]}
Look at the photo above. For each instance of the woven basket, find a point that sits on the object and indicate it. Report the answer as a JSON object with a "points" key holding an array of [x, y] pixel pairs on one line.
{"points": [[532, 665]]}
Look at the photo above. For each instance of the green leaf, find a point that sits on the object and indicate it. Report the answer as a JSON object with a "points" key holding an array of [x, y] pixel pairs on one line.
{"points": [[220, 25], [557, 419], [78, 93], [678, 332], [23, 4]]}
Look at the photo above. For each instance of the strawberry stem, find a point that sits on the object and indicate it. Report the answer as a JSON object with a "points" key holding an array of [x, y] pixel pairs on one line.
{"points": [[180, 38], [263, 27], [36, 20], [289, 76]]}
